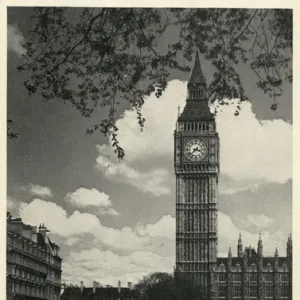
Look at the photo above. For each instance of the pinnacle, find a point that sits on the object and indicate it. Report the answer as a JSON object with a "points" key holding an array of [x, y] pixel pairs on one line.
{"points": [[197, 76]]}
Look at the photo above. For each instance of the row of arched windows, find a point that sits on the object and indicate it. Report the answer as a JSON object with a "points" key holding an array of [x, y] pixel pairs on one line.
{"points": [[198, 126], [196, 94]]}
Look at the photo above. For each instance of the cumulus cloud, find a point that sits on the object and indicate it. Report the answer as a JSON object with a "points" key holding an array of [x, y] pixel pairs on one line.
{"points": [[38, 190], [108, 267], [15, 40], [164, 227], [227, 231], [79, 224], [252, 151], [156, 139], [154, 181], [83, 197]]}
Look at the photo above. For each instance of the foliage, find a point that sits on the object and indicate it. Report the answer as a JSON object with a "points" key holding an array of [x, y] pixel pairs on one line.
{"points": [[165, 286], [260, 38], [103, 57], [10, 133]]}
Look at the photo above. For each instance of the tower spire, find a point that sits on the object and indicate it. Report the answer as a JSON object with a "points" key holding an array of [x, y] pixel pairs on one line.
{"points": [[240, 246], [276, 252], [197, 77], [260, 245]]}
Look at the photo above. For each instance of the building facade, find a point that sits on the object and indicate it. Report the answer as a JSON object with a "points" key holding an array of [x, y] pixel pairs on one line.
{"points": [[249, 275], [97, 292], [33, 265]]}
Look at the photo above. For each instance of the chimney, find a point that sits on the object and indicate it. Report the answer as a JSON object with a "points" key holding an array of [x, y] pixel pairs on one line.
{"points": [[130, 286], [119, 286], [95, 285], [81, 287], [8, 216]]}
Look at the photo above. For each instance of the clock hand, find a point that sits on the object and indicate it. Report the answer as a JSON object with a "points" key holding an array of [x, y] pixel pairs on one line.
{"points": [[196, 149]]}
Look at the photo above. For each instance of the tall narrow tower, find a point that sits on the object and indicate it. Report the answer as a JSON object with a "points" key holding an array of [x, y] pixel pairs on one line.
{"points": [[196, 161]]}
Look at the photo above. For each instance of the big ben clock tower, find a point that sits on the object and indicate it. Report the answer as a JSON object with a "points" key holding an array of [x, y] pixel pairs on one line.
{"points": [[196, 161]]}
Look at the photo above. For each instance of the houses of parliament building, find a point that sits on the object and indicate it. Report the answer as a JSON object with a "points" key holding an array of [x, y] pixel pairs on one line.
{"points": [[247, 276]]}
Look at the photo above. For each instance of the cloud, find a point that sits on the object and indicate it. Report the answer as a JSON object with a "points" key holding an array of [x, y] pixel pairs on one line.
{"points": [[129, 253], [259, 221], [86, 265], [83, 197], [227, 231], [73, 240], [80, 224], [38, 190], [12, 204], [165, 227], [108, 267], [270, 199], [230, 186], [228, 236], [15, 40], [155, 181], [252, 150], [156, 139]]}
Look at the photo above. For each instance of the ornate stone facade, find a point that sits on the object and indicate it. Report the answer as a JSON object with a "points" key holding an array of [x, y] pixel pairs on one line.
{"points": [[33, 265], [196, 161]]}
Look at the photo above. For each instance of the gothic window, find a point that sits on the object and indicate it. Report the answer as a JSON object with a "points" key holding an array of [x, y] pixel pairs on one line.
{"points": [[253, 285], [237, 289], [253, 277], [269, 289], [222, 285], [269, 277], [284, 285], [237, 285]]}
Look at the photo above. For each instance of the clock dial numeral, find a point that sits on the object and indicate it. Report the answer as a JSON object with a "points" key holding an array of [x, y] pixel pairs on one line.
{"points": [[195, 149]]}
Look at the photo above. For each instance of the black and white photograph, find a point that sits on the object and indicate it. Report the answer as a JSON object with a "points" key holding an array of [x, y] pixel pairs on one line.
{"points": [[149, 153]]}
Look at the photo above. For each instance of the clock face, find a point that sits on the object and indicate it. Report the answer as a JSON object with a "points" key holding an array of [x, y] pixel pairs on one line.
{"points": [[195, 149]]}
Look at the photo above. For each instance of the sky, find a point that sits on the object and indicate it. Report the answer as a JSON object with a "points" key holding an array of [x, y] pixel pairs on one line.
{"points": [[115, 220]]}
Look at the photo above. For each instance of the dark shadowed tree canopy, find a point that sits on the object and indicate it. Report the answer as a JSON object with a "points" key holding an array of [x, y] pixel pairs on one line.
{"points": [[106, 56], [164, 286]]}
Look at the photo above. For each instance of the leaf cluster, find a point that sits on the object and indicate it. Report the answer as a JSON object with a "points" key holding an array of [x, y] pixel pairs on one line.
{"points": [[104, 57]]}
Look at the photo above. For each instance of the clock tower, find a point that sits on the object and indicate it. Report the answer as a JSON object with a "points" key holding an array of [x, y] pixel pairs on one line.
{"points": [[196, 162]]}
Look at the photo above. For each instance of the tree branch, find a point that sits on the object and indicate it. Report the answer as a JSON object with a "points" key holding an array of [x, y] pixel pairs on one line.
{"points": [[81, 40], [247, 25]]}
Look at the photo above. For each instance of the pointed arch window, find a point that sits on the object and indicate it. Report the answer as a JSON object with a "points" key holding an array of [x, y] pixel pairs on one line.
{"points": [[201, 93]]}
